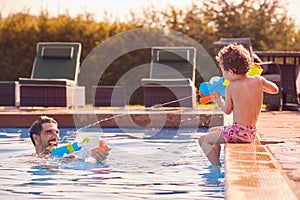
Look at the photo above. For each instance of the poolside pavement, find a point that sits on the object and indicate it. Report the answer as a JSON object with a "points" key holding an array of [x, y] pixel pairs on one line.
{"points": [[283, 127], [270, 167]]}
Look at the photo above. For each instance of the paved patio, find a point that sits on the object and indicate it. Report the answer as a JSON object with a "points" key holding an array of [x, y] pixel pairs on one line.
{"points": [[270, 167], [283, 127]]}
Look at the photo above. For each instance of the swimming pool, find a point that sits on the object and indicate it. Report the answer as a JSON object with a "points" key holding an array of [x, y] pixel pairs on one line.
{"points": [[165, 165]]}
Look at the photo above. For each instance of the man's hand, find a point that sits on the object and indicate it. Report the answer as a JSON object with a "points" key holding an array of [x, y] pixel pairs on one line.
{"points": [[100, 155], [101, 152]]}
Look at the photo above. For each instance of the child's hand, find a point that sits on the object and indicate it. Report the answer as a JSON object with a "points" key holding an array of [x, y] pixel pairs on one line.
{"points": [[220, 102], [216, 98]]}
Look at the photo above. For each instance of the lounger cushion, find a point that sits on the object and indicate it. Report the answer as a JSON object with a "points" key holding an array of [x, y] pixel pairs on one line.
{"points": [[174, 56], [57, 52]]}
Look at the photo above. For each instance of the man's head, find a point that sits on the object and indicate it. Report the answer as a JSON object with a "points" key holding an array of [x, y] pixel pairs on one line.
{"points": [[234, 57], [44, 134]]}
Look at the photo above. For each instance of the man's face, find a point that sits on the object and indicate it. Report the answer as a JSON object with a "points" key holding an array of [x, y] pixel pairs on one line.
{"points": [[48, 138]]}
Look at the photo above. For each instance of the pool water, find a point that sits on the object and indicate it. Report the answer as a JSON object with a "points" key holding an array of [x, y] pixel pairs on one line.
{"points": [[166, 165]]}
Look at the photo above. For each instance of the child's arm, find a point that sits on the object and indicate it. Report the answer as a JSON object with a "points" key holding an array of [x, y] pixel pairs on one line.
{"points": [[226, 106], [228, 100], [269, 86], [220, 101]]}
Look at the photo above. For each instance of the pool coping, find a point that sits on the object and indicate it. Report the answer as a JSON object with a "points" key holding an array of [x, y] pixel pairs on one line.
{"points": [[251, 172], [255, 171], [115, 117]]}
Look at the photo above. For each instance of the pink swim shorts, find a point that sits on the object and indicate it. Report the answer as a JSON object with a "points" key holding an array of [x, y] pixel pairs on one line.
{"points": [[237, 133]]}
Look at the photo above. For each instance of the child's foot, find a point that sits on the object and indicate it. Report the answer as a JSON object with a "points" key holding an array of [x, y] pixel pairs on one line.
{"points": [[214, 167]]}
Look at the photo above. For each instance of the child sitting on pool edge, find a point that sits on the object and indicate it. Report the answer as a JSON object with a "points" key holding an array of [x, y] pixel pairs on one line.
{"points": [[244, 97]]}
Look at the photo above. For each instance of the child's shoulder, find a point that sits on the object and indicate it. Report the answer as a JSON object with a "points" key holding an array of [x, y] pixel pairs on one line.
{"points": [[254, 78], [257, 78], [249, 80]]}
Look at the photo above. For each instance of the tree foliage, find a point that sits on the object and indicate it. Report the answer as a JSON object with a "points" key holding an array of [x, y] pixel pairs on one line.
{"points": [[265, 22]]}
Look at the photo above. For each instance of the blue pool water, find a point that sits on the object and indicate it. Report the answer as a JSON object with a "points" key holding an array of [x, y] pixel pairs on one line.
{"points": [[142, 165]]}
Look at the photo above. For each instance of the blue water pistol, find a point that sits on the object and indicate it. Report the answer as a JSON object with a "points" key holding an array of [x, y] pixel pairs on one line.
{"points": [[80, 150], [67, 149], [216, 84]]}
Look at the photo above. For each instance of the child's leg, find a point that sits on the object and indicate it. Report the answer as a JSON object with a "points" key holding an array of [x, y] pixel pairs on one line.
{"points": [[210, 144]]}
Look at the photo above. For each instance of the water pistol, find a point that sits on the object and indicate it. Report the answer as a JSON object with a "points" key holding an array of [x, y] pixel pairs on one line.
{"points": [[67, 149], [80, 150], [217, 85]]}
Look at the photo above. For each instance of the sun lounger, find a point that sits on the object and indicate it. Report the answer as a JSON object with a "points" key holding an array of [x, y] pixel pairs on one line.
{"points": [[53, 82], [172, 78]]}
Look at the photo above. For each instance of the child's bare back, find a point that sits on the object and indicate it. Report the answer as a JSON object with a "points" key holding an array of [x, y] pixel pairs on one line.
{"points": [[246, 96]]}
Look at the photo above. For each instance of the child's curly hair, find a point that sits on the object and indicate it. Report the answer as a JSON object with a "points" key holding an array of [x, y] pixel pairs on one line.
{"points": [[235, 57]]}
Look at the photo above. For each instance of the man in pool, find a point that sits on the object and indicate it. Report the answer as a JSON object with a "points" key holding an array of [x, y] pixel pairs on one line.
{"points": [[44, 134]]}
